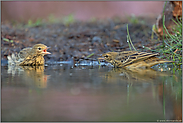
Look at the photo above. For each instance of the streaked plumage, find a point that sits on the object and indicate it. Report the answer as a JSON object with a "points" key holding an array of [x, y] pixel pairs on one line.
{"points": [[29, 56], [132, 59]]}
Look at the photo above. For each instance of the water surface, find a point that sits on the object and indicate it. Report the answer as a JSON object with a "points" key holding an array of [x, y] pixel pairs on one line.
{"points": [[90, 93]]}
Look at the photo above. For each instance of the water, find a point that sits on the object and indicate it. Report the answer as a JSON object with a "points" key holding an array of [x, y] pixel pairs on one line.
{"points": [[90, 93]]}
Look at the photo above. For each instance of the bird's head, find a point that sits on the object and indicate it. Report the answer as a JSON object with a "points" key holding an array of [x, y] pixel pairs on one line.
{"points": [[40, 49], [109, 57]]}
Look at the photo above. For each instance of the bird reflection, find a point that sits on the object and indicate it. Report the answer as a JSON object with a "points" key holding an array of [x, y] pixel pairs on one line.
{"points": [[135, 74], [33, 74]]}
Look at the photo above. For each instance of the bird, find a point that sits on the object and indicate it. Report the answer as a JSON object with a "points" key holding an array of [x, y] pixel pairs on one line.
{"points": [[132, 59], [29, 56]]}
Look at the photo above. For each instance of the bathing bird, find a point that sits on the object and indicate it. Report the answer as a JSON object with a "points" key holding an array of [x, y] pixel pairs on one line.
{"points": [[29, 56], [132, 59]]}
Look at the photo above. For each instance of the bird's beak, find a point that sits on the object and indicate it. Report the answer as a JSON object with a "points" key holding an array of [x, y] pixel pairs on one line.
{"points": [[45, 51], [101, 58]]}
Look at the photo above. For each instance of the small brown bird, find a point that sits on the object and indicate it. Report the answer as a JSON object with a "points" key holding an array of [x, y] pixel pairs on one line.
{"points": [[29, 56], [132, 59]]}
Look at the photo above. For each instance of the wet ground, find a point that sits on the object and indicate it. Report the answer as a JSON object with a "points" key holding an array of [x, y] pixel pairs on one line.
{"points": [[71, 88]]}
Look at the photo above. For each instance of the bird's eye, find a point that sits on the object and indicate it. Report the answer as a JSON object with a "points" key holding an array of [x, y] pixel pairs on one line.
{"points": [[106, 56], [39, 48]]}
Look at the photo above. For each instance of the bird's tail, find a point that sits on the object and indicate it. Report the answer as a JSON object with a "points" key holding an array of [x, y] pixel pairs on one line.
{"points": [[154, 60], [12, 59]]}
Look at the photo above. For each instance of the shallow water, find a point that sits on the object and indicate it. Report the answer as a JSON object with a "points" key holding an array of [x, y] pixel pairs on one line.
{"points": [[90, 93]]}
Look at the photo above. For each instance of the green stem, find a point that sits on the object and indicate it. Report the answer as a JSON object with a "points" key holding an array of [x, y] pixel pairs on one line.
{"points": [[130, 38]]}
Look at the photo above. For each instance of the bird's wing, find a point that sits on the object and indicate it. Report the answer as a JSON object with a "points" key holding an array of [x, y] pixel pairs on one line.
{"points": [[23, 54], [129, 57]]}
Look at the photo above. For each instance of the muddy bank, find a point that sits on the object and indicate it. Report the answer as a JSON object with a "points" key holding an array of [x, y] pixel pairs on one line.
{"points": [[79, 39]]}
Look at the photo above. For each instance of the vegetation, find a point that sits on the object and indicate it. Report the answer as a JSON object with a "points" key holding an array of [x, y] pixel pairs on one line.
{"points": [[38, 22], [7, 40], [67, 20], [129, 41], [135, 20], [171, 47]]}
